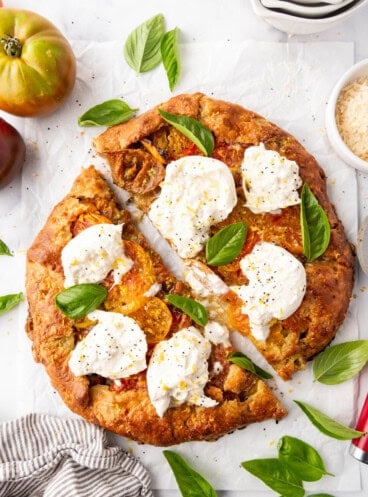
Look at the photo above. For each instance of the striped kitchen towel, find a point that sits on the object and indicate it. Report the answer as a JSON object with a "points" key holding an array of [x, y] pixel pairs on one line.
{"points": [[42, 455]]}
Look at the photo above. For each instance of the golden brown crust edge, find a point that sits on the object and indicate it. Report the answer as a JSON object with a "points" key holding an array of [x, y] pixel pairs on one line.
{"points": [[122, 135], [127, 413], [330, 284]]}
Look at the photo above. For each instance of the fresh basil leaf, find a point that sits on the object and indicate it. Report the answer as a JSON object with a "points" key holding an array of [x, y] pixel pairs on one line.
{"points": [[226, 244], [107, 113], [78, 300], [194, 309], [315, 226], [244, 362], [302, 458], [4, 249], [142, 49], [327, 425], [190, 483], [7, 302], [192, 129], [321, 495], [340, 362], [170, 56], [276, 475]]}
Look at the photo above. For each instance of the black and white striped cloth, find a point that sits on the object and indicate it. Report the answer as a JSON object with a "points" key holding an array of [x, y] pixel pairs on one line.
{"points": [[42, 455]]}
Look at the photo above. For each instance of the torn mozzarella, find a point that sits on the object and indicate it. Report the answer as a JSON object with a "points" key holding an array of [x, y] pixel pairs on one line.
{"points": [[178, 371], [197, 192], [93, 253], [277, 284], [270, 180], [202, 280], [114, 348]]}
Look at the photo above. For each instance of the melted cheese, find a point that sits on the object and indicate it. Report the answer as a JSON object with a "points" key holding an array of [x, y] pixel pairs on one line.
{"points": [[114, 348], [216, 333], [197, 192], [153, 290], [270, 181], [93, 253], [277, 284], [217, 368], [352, 116], [202, 280], [178, 371]]}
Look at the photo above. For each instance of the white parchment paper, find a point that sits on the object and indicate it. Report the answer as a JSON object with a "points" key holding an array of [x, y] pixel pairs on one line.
{"points": [[287, 83]]}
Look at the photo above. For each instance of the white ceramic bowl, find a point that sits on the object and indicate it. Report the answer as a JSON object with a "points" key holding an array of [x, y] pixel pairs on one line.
{"points": [[356, 71], [310, 10], [312, 2], [299, 25]]}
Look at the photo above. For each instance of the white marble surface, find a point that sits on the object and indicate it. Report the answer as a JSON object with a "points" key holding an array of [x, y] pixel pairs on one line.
{"points": [[224, 21]]}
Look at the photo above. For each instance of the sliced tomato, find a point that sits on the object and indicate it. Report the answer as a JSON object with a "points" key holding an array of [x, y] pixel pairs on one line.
{"points": [[128, 296], [155, 319], [153, 151], [88, 219], [192, 149], [138, 171], [230, 153], [236, 318], [133, 382], [148, 178], [180, 320]]}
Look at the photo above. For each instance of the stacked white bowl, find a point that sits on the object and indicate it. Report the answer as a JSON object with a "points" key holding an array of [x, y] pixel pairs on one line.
{"points": [[305, 16]]}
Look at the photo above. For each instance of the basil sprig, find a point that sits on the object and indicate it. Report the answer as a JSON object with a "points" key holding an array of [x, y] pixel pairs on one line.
{"points": [[340, 362], [244, 362], [4, 249], [194, 309], [148, 45], [226, 244], [142, 49], [302, 458], [315, 226], [190, 483], [170, 56], [276, 475], [297, 462], [9, 301], [320, 495], [78, 300], [107, 113], [192, 129], [328, 425]]}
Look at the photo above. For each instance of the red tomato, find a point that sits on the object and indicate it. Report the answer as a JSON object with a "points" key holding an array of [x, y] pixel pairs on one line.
{"points": [[12, 152]]}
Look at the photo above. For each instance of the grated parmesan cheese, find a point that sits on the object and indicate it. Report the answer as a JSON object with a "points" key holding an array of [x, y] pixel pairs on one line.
{"points": [[352, 116]]}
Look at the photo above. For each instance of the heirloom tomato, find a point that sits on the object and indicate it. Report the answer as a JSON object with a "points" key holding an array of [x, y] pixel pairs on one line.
{"points": [[12, 152], [37, 64]]}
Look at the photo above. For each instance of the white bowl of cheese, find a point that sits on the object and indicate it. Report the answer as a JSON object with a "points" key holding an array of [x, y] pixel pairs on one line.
{"points": [[347, 116]]}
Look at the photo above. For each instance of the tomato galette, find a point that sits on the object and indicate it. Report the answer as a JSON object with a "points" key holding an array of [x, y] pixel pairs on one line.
{"points": [[138, 351]]}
